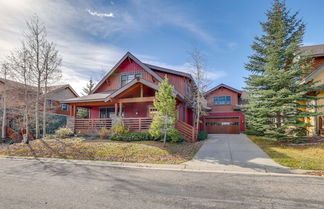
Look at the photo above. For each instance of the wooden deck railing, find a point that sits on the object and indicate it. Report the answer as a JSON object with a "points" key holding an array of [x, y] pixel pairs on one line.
{"points": [[134, 124], [91, 125], [187, 131], [138, 124]]}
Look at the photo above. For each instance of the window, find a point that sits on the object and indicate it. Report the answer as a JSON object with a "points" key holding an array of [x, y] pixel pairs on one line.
{"points": [[108, 112], [126, 78], [64, 107], [222, 100]]}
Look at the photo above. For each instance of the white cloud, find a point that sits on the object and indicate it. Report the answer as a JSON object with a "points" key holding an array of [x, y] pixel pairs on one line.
{"points": [[94, 13], [73, 30]]}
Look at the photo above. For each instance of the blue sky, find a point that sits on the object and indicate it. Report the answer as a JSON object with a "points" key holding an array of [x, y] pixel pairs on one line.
{"points": [[93, 35]]}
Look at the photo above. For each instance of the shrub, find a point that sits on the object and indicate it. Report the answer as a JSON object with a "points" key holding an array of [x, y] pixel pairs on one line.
{"points": [[63, 133], [119, 127], [173, 137], [134, 136], [253, 133], [103, 133], [202, 135]]}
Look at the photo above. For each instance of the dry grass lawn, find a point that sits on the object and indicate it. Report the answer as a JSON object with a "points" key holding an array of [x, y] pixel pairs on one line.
{"points": [[141, 151], [309, 157]]}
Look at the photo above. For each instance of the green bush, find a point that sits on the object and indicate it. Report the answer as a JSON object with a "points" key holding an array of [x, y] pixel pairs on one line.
{"points": [[103, 133], [253, 133], [202, 135], [63, 133], [145, 136], [134, 136]]}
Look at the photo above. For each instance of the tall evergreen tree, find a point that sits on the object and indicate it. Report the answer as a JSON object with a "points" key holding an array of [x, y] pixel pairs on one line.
{"points": [[89, 87], [278, 95]]}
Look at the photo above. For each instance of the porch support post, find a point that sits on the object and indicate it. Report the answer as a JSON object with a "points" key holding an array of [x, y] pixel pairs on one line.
{"points": [[116, 109], [141, 90], [120, 109], [70, 109], [74, 110]]}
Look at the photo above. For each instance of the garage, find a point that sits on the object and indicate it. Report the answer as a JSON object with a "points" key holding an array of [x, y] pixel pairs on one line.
{"points": [[230, 125]]}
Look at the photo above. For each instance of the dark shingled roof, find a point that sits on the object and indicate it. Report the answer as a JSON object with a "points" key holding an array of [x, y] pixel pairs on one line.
{"points": [[166, 70], [314, 50]]}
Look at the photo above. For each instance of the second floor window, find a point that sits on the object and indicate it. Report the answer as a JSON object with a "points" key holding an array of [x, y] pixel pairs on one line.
{"points": [[222, 100], [128, 78]]}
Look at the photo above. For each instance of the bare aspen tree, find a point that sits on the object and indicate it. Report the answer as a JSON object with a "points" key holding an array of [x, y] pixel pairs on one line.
{"points": [[198, 63], [35, 44], [4, 72], [51, 61], [22, 68]]}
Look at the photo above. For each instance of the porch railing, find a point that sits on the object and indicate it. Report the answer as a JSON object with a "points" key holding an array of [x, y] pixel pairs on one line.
{"points": [[138, 124], [187, 131], [134, 124], [91, 125]]}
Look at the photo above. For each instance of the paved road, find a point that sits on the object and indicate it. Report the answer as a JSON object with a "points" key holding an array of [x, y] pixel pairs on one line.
{"points": [[233, 152], [34, 184]]}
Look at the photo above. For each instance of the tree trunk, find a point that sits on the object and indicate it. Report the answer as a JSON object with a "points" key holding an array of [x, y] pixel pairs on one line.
{"points": [[44, 110], [37, 110], [4, 116], [4, 113], [26, 117]]}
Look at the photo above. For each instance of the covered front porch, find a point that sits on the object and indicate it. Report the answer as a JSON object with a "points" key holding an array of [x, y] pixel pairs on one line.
{"points": [[133, 103]]}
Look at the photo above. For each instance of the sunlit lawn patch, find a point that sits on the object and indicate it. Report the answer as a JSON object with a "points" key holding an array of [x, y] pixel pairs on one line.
{"points": [[309, 157], [140, 151]]}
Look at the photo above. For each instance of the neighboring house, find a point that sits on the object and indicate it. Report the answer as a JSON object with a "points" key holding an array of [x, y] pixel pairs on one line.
{"points": [[224, 114], [128, 90], [317, 75], [16, 96], [56, 94]]}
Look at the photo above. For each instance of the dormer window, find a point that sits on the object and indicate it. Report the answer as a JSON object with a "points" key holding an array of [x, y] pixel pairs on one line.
{"points": [[126, 78], [222, 100]]}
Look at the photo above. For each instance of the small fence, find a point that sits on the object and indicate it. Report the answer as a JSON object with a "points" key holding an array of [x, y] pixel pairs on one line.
{"points": [[134, 124], [187, 131]]}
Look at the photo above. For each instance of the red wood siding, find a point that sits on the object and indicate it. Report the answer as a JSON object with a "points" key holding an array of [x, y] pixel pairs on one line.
{"points": [[222, 92], [94, 112], [179, 82], [132, 108], [128, 66]]}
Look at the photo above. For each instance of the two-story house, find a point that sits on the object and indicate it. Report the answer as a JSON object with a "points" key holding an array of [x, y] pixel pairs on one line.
{"points": [[128, 90], [224, 114]]}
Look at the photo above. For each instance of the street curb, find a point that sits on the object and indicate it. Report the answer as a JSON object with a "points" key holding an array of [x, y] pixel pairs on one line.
{"points": [[167, 167]]}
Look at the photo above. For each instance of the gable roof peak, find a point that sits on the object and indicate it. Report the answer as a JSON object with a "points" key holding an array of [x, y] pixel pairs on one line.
{"points": [[130, 55], [225, 86]]}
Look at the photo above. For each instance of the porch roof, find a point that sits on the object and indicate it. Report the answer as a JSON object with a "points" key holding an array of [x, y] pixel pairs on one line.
{"points": [[107, 95]]}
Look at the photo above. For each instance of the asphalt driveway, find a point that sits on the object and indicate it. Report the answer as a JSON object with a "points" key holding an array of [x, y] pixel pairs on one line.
{"points": [[233, 152]]}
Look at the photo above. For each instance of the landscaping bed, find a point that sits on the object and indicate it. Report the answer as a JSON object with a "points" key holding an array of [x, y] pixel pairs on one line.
{"points": [[308, 155], [78, 148]]}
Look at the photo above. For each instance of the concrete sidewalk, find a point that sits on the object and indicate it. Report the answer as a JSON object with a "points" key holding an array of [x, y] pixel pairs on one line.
{"points": [[231, 152]]}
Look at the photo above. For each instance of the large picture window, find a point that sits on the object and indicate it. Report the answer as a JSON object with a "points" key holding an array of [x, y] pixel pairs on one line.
{"points": [[107, 112], [126, 78], [222, 100]]}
